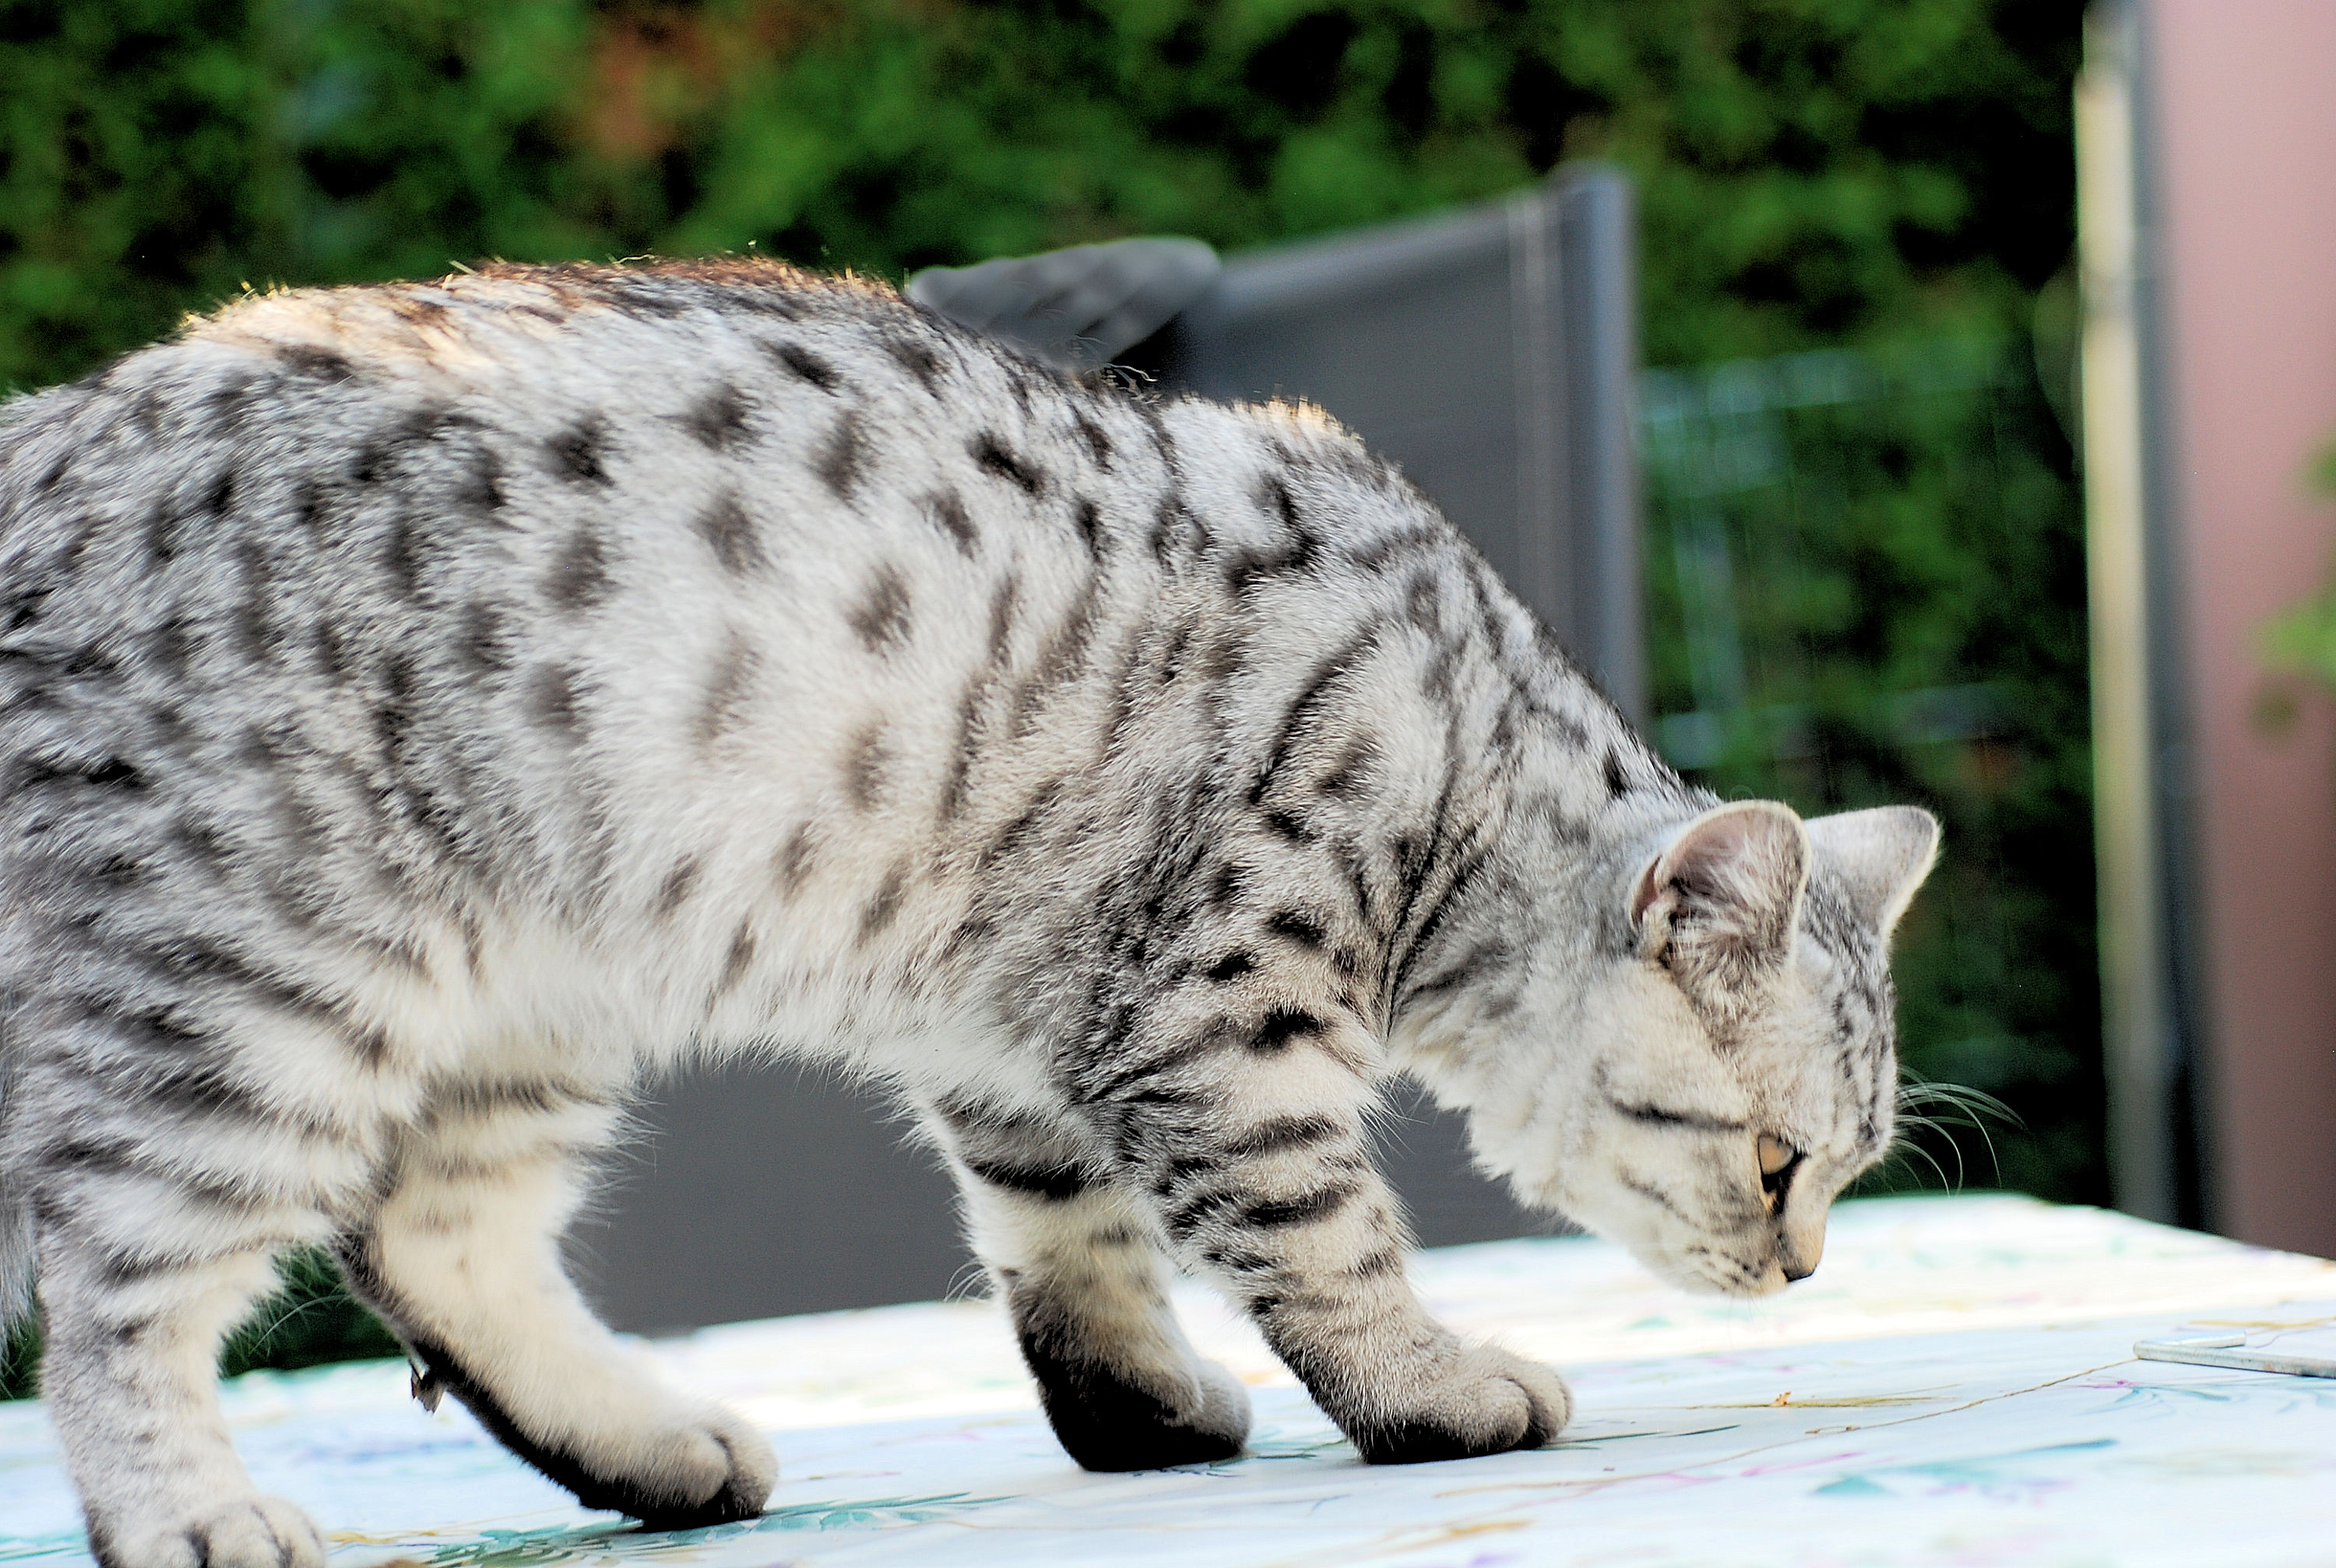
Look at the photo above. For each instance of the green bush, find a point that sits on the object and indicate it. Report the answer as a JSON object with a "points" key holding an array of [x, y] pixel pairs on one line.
{"points": [[1812, 170], [1812, 173]]}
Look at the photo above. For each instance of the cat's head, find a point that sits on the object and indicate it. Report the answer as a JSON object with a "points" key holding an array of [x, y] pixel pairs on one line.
{"points": [[1729, 1063]]}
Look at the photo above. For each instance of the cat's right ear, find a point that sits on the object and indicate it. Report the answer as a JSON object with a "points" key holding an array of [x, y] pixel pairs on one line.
{"points": [[1719, 903]]}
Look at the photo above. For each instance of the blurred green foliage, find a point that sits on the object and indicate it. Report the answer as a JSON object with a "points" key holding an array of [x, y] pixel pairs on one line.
{"points": [[2301, 640], [1812, 172]]}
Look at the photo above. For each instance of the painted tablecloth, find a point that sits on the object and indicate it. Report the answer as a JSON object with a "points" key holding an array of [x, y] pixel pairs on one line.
{"points": [[1955, 1387]]}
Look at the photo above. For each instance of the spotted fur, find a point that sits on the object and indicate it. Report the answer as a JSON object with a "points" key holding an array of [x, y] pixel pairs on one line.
{"points": [[426, 708]]}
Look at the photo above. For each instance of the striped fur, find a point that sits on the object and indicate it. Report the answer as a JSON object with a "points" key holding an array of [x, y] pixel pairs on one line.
{"points": [[426, 708]]}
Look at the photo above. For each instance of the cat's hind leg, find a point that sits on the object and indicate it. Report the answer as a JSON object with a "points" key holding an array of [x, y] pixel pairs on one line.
{"points": [[1086, 1281], [463, 1257]]}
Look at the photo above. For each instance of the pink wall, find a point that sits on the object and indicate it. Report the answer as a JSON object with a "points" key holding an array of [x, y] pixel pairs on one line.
{"points": [[2246, 143]]}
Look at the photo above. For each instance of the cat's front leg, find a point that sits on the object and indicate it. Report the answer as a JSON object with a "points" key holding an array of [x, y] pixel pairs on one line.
{"points": [[1077, 1264], [463, 1257], [1250, 1145]]}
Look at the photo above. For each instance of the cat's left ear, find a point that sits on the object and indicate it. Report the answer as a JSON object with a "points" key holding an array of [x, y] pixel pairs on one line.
{"points": [[1881, 856]]}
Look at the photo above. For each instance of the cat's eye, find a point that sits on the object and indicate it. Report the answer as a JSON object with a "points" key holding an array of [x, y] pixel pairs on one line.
{"points": [[1778, 1160]]}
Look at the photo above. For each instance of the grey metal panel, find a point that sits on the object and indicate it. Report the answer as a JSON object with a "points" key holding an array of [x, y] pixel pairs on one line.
{"points": [[1597, 225], [759, 1192], [1490, 352]]}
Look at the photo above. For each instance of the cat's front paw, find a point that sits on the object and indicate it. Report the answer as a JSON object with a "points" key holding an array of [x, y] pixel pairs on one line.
{"points": [[249, 1532], [713, 1469], [1110, 1426], [1486, 1401]]}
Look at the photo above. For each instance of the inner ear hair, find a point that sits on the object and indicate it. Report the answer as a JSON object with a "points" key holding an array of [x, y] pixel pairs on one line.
{"points": [[1723, 896]]}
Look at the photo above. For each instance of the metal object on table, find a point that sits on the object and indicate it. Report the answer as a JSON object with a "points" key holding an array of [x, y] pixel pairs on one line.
{"points": [[2232, 1351]]}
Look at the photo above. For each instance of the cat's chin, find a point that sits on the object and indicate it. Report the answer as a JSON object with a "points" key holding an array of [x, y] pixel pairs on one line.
{"points": [[1712, 1271]]}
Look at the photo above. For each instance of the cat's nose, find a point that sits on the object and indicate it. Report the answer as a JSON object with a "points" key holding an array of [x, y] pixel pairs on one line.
{"points": [[1801, 1244]]}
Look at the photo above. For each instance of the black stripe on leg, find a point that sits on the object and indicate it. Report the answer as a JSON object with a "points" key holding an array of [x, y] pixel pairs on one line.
{"points": [[1275, 1213], [1055, 1183], [1284, 1132]]}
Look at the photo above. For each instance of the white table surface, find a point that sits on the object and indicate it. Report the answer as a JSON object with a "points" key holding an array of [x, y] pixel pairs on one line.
{"points": [[1956, 1386]]}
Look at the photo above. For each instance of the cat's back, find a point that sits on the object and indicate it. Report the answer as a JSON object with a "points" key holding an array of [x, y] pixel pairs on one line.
{"points": [[589, 581], [525, 421], [455, 574]]}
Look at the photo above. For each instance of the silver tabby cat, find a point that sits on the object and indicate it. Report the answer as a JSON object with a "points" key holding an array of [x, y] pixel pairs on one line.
{"points": [[426, 709]]}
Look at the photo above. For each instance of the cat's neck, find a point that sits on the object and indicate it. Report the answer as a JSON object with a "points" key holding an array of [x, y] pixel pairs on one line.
{"points": [[1566, 802]]}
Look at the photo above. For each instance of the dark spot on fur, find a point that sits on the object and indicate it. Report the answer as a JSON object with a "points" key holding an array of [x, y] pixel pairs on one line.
{"points": [[1097, 441], [791, 864], [1289, 827], [1283, 1134], [677, 887], [1422, 603], [1274, 496], [726, 690], [578, 453], [1055, 1183], [805, 365], [332, 652], [252, 630], [171, 645], [482, 483], [579, 573], [881, 620], [916, 358], [731, 534], [735, 962], [718, 419], [485, 641], [1001, 617], [1231, 966], [990, 452], [400, 554], [864, 767], [947, 508], [1088, 519], [1275, 1213], [324, 364], [554, 701], [842, 458], [1618, 783], [1350, 774], [885, 904], [1298, 928], [1282, 1025]]}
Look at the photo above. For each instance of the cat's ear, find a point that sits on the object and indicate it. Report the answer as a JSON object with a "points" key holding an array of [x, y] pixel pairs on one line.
{"points": [[1719, 903], [1881, 856]]}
